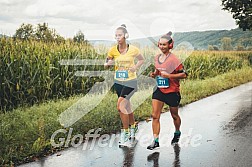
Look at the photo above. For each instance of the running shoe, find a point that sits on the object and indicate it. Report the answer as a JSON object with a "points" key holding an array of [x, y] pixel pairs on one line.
{"points": [[176, 138], [124, 137], [154, 145], [133, 131]]}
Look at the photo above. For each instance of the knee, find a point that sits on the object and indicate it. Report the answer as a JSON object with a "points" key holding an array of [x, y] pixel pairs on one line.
{"points": [[120, 106], [155, 117], [175, 116]]}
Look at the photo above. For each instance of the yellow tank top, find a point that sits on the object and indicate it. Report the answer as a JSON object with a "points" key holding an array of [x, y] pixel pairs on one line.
{"points": [[124, 62]]}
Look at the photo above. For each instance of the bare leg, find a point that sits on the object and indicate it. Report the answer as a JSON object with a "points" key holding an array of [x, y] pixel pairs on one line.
{"points": [[176, 117], [157, 107], [131, 115], [124, 114]]}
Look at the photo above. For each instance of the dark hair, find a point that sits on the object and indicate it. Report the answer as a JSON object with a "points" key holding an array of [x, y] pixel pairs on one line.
{"points": [[123, 28], [168, 37]]}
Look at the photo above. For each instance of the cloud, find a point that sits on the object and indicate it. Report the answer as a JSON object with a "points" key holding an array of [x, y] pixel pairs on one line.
{"points": [[97, 17]]}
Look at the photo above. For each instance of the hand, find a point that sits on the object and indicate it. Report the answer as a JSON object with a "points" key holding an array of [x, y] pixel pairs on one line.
{"points": [[164, 74], [157, 72], [132, 69], [153, 75], [106, 65], [110, 62]]}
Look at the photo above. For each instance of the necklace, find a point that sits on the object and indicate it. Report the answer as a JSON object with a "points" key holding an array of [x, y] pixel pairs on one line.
{"points": [[163, 57], [169, 53], [123, 51]]}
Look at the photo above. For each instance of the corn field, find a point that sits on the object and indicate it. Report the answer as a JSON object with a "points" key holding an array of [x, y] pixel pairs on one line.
{"points": [[205, 64], [30, 71]]}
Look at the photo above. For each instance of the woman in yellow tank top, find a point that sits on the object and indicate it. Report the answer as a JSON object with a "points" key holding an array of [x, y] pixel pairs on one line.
{"points": [[125, 80]]}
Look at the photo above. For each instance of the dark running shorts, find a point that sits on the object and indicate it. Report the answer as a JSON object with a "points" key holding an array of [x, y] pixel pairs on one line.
{"points": [[125, 89], [171, 99]]}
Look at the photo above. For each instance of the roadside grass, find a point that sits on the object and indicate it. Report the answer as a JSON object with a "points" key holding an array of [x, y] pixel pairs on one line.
{"points": [[25, 132]]}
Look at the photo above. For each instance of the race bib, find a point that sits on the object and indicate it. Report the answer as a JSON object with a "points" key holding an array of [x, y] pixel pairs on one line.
{"points": [[122, 74], [162, 82]]}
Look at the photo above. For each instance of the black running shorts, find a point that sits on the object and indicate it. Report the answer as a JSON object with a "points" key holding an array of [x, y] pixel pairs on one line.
{"points": [[172, 99], [125, 89]]}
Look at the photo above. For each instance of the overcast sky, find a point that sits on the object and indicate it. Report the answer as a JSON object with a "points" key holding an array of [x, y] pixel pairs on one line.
{"points": [[97, 19]]}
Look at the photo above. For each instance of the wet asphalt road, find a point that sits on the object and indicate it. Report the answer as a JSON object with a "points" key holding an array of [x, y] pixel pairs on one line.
{"points": [[216, 131]]}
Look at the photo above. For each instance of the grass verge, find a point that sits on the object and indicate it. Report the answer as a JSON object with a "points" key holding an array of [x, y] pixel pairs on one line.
{"points": [[25, 132]]}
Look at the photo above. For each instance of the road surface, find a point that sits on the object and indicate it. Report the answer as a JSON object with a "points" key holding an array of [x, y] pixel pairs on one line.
{"points": [[216, 131]]}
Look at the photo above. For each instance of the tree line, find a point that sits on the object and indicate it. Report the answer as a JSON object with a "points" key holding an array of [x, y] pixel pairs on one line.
{"points": [[226, 45], [42, 32]]}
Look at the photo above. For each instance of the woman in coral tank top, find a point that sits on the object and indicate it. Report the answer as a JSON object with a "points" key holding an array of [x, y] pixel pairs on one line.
{"points": [[168, 72]]}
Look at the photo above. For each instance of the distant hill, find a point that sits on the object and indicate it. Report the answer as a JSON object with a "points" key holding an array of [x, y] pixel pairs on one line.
{"points": [[1, 36], [103, 42], [200, 39]]}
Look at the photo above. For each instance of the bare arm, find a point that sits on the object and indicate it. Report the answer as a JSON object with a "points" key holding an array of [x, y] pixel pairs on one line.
{"points": [[173, 76], [140, 62], [155, 73], [109, 62]]}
